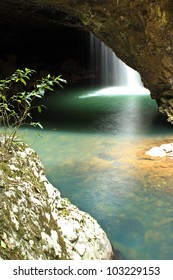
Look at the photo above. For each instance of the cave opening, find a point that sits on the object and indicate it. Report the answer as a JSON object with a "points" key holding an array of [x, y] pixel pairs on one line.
{"points": [[93, 149], [76, 54]]}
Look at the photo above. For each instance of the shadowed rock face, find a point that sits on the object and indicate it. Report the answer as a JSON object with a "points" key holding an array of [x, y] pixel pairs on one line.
{"points": [[139, 32]]}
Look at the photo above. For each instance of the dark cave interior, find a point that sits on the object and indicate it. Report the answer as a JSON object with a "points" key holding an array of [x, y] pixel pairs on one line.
{"points": [[60, 50]]}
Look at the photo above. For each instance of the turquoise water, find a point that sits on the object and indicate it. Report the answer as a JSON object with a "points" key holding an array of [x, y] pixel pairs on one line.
{"points": [[93, 147]]}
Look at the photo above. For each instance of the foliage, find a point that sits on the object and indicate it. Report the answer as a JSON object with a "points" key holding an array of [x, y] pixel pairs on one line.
{"points": [[15, 108]]}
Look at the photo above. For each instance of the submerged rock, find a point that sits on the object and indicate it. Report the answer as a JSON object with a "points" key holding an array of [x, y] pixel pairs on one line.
{"points": [[36, 223]]}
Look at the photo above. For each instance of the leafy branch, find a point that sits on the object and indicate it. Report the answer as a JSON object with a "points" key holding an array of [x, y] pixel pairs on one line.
{"points": [[15, 108]]}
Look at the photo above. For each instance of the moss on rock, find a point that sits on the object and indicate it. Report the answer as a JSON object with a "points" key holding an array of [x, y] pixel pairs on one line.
{"points": [[36, 223]]}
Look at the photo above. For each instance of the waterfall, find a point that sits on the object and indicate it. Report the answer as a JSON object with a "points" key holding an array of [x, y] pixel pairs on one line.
{"points": [[108, 69]]}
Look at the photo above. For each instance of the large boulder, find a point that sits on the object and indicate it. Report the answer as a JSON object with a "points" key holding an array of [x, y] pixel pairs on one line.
{"points": [[35, 222]]}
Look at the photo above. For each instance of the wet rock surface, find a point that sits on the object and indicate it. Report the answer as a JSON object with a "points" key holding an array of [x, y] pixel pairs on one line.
{"points": [[162, 151]]}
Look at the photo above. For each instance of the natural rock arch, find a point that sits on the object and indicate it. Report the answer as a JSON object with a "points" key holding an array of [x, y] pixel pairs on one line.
{"points": [[139, 32]]}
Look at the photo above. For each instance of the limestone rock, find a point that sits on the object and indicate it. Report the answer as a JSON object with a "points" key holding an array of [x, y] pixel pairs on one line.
{"points": [[156, 152], [167, 147], [36, 223], [162, 151]]}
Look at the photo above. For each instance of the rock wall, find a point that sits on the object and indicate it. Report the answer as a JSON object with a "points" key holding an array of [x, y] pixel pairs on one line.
{"points": [[36, 223]]}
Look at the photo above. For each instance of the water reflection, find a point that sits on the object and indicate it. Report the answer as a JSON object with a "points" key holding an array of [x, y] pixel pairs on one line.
{"points": [[121, 90], [99, 163]]}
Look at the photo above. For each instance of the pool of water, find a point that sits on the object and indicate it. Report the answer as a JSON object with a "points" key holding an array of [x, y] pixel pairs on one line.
{"points": [[93, 147]]}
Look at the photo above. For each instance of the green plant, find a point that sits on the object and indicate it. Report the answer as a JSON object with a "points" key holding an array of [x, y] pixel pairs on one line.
{"points": [[15, 108]]}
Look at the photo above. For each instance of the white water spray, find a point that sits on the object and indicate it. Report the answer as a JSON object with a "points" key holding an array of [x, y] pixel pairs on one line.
{"points": [[111, 71]]}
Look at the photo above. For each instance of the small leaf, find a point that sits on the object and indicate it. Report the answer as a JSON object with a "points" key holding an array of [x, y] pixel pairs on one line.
{"points": [[39, 125], [23, 81], [41, 91], [62, 80], [48, 88], [36, 124], [39, 109], [4, 98], [3, 245]]}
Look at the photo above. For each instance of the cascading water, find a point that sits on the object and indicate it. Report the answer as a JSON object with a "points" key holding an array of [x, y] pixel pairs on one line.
{"points": [[109, 70]]}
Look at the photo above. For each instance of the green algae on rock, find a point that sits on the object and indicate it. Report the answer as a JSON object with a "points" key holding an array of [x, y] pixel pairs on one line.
{"points": [[36, 223]]}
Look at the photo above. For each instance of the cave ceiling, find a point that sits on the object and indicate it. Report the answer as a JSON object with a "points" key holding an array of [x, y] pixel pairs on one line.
{"points": [[140, 32]]}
